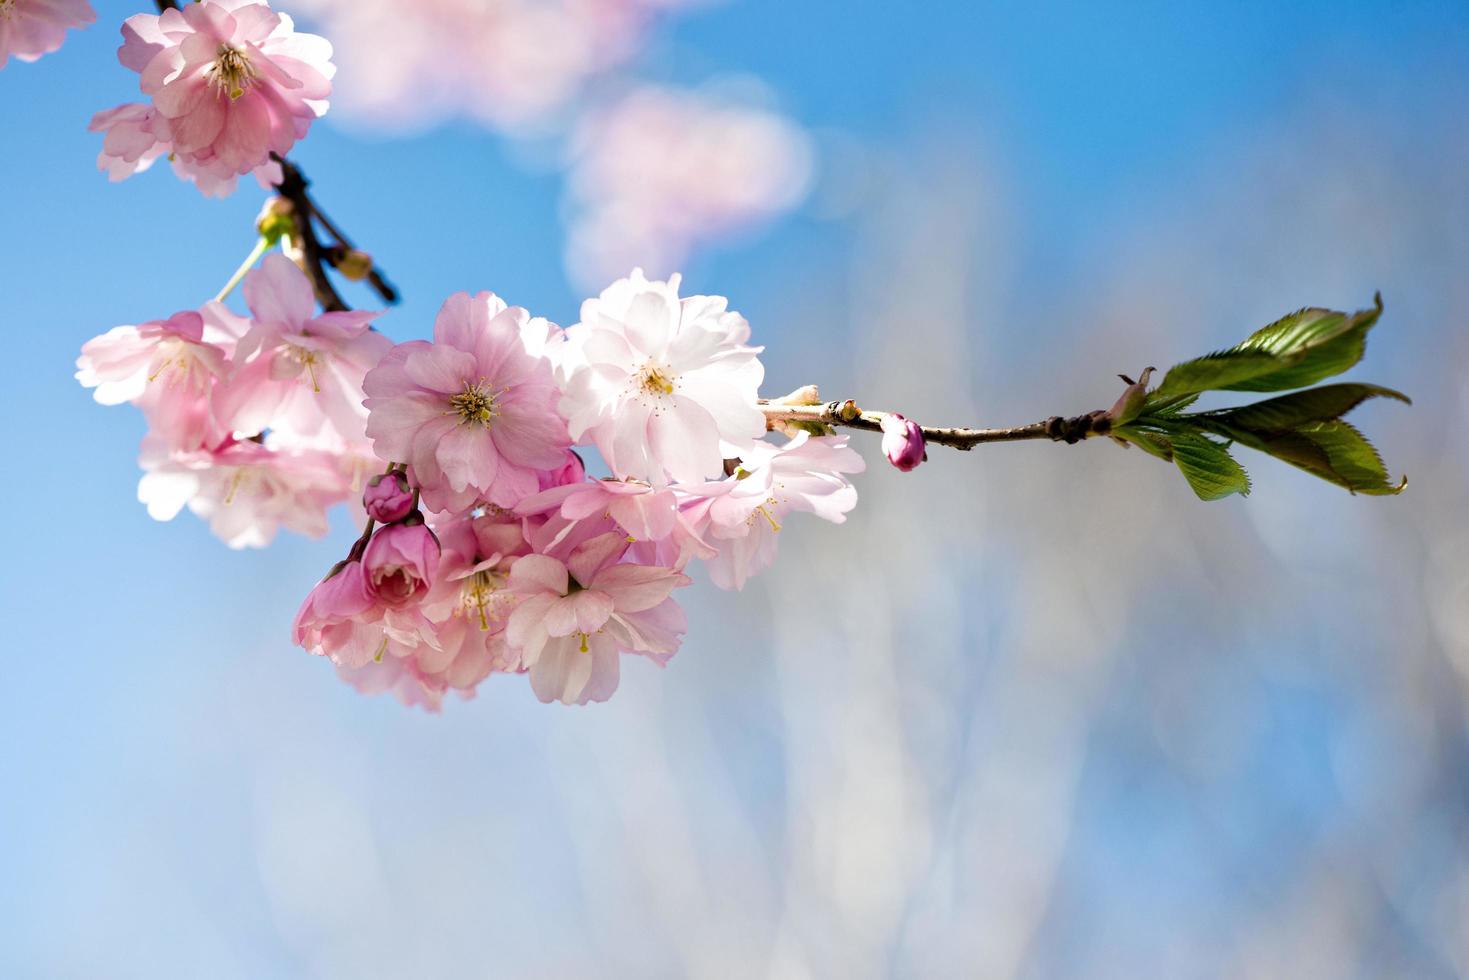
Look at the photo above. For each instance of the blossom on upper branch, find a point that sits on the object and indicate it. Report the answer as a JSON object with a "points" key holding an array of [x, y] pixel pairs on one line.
{"points": [[31, 28], [473, 414], [665, 387], [231, 82]]}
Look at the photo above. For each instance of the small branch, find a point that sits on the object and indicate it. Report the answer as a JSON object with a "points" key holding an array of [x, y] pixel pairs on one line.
{"points": [[846, 414], [293, 188], [375, 277]]}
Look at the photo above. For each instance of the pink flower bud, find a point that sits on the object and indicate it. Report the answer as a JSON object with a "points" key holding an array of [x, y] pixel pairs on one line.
{"points": [[572, 471], [902, 441], [401, 562], [388, 498]]}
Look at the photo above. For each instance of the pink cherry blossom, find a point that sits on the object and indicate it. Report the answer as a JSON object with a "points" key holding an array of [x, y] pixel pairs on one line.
{"points": [[131, 143], [469, 603], [473, 413], [401, 562], [399, 676], [246, 490], [902, 441], [136, 135], [650, 517], [742, 514], [388, 498], [31, 28], [298, 370], [231, 79], [661, 171], [576, 618], [667, 387], [331, 623], [168, 368]]}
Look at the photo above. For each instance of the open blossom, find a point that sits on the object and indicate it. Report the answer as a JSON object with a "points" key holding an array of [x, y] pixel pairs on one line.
{"points": [[400, 564], [473, 413], [742, 514], [400, 676], [166, 367], [231, 80], [469, 603], [666, 387], [576, 618], [902, 441], [135, 135], [299, 370], [131, 142], [246, 490], [31, 28]]}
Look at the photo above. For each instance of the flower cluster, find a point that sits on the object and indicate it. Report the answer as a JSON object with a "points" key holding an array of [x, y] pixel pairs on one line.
{"points": [[253, 423], [486, 547], [229, 82]]}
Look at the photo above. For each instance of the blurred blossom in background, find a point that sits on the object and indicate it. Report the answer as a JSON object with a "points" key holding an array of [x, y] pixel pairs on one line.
{"points": [[1033, 711], [660, 172], [514, 65]]}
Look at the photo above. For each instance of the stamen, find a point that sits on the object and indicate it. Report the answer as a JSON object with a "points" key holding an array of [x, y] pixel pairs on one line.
{"points": [[474, 405], [584, 643], [308, 360], [235, 482], [231, 72]]}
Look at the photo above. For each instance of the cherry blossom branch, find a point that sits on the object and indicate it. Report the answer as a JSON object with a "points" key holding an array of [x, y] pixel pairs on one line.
{"points": [[846, 414], [293, 188], [315, 255]]}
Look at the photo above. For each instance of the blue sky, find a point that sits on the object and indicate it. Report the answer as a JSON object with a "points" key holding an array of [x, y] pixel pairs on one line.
{"points": [[158, 735]]}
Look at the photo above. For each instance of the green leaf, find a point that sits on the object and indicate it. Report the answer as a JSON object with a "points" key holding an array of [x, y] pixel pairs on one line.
{"points": [[1208, 467], [1332, 449], [1293, 352], [1289, 411]]}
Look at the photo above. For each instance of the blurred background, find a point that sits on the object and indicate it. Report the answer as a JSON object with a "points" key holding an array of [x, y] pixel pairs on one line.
{"points": [[1034, 711]]}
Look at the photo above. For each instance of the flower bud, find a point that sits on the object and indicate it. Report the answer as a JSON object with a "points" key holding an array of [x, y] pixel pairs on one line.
{"points": [[902, 441], [400, 563], [804, 395], [1132, 401], [353, 263], [276, 219], [388, 498]]}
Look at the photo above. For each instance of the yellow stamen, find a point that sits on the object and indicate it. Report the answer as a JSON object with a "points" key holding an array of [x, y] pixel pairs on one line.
{"points": [[235, 482], [583, 643], [475, 405], [231, 72], [769, 517]]}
